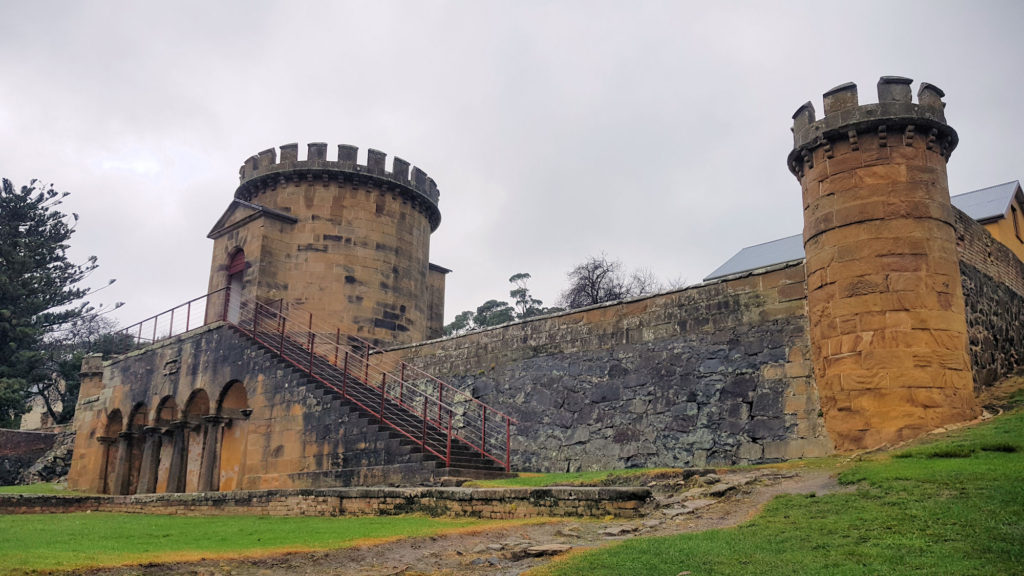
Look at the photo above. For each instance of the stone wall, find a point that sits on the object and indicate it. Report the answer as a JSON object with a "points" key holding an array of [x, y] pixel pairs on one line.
{"points": [[281, 432], [993, 284], [714, 374], [977, 248], [19, 449], [496, 503]]}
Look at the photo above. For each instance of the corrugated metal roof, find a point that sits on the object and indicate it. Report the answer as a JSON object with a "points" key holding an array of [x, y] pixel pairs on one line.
{"points": [[981, 205], [787, 249], [988, 203]]}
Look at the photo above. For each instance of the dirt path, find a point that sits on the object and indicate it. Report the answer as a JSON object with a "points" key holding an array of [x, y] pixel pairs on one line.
{"points": [[733, 499]]}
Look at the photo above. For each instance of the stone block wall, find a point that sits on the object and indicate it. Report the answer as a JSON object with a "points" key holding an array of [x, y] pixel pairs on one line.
{"points": [[976, 247], [19, 449], [292, 436], [993, 283], [493, 503], [709, 375]]}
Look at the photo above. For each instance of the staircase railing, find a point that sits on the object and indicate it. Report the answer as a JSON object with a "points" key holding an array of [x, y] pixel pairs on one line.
{"points": [[190, 315], [422, 408]]}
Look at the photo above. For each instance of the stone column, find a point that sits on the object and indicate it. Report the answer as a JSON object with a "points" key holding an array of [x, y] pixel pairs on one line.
{"points": [[209, 473], [123, 471], [105, 483], [150, 460], [888, 328], [179, 455]]}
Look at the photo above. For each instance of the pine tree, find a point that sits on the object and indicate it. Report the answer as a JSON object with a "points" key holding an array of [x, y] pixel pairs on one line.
{"points": [[39, 288]]}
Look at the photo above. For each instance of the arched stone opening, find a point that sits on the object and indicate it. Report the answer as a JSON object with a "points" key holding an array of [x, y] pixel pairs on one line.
{"points": [[236, 271], [129, 452], [197, 408], [233, 412], [158, 452], [111, 429]]}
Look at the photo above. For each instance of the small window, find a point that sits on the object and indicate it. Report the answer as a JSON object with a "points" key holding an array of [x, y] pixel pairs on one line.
{"points": [[1016, 223]]}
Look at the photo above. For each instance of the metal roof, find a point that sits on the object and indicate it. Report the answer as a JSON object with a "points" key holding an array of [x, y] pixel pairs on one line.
{"points": [[988, 203], [788, 249], [985, 204]]}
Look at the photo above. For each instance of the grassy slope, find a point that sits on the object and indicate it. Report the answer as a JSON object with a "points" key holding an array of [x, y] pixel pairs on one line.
{"points": [[954, 506], [41, 488], [65, 541]]}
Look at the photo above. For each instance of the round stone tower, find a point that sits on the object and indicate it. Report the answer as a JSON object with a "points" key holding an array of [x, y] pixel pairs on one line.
{"points": [[348, 242], [888, 330]]}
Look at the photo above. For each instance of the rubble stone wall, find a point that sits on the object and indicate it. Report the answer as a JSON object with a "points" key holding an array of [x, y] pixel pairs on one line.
{"points": [[20, 449], [714, 374], [993, 285], [497, 503]]}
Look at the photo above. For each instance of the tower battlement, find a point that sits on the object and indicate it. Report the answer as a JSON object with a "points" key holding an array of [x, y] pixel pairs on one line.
{"points": [[894, 114], [265, 169]]}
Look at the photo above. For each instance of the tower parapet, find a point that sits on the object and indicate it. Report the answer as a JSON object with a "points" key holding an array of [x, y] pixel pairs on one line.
{"points": [[891, 117], [347, 242], [264, 170], [886, 308]]}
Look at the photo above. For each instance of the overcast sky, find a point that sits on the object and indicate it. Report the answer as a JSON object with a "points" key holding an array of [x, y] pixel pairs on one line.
{"points": [[656, 133]]}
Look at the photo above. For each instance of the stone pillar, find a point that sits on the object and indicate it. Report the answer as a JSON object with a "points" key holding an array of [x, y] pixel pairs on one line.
{"points": [[123, 471], [179, 455], [104, 483], [209, 473], [150, 460], [888, 329]]}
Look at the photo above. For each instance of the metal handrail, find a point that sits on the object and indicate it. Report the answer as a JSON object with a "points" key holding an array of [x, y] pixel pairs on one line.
{"points": [[405, 367], [335, 360], [163, 324], [400, 371]]}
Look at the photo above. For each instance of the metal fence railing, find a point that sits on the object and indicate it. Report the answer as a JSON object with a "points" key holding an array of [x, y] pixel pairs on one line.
{"points": [[190, 315]]}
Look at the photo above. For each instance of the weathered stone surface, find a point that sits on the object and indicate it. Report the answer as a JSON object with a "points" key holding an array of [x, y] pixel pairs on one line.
{"points": [[19, 450], [451, 502], [993, 285], [694, 377], [54, 465], [548, 549], [294, 432], [880, 247]]}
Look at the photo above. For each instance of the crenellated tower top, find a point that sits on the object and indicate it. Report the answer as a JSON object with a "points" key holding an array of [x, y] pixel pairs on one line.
{"points": [[264, 170], [894, 114]]}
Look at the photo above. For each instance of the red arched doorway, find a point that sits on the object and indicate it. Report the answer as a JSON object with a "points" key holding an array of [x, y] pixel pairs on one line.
{"points": [[236, 268]]}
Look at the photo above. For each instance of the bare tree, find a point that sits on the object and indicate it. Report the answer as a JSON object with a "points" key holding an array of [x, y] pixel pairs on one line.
{"points": [[601, 279]]}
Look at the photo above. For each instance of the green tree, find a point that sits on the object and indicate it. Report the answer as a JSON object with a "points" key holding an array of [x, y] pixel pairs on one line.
{"points": [[463, 323], [526, 305], [496, 312], [493, 313], [39, 288]]}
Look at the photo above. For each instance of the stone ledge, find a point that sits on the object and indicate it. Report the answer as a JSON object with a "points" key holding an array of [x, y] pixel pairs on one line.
{"points": [[499, 503]]}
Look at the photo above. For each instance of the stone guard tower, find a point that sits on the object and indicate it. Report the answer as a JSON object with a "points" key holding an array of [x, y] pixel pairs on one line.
{"points": [[347, 242], [886, 307]]}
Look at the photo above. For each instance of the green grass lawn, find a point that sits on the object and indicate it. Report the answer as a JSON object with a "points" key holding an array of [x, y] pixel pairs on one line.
{"points": [[41, 488], [951, 506], [37, 542]]}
